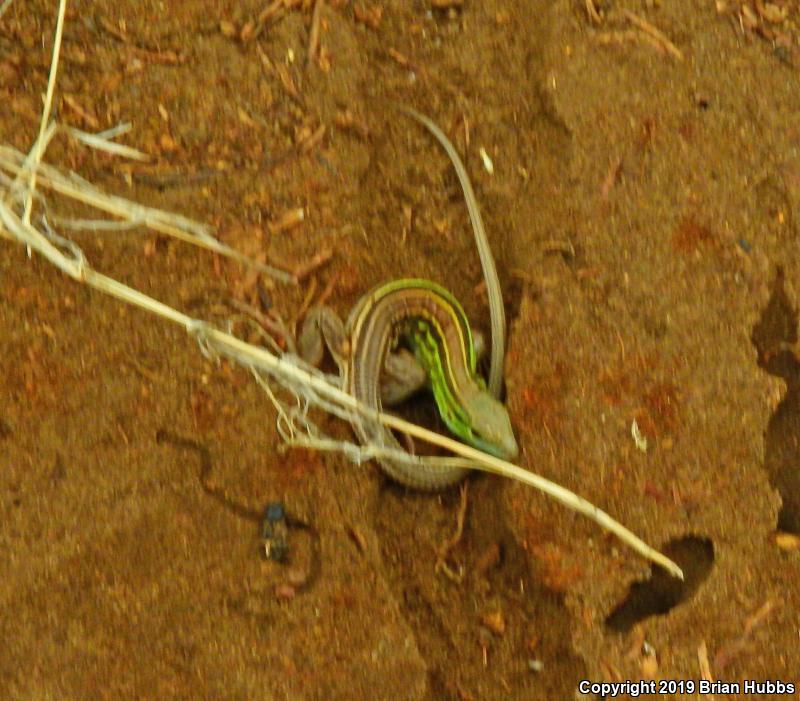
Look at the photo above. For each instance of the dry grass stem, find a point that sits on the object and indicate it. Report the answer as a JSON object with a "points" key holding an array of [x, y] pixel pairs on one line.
{"points": [[167, 223], [39, 147], [100, 143]]}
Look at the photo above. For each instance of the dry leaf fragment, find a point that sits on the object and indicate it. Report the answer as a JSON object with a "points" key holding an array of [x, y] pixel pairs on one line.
{"points": [[167, 143], [495, 622]]}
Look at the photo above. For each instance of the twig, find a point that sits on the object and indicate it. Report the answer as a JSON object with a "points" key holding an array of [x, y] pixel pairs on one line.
{"points": [[75, 106], [591, 11], [306, 303], [327, 291], [268, 324], [726, 654], [455, 539], [269, 11], [612, 177], [264, 16], [654, 32], [115, 32], [313, 35], [308, 144], [400, 58], [302, 271], [702, 660]]}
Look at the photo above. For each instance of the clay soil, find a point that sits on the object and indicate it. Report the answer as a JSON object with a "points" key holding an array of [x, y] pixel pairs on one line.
{"points": [[644, 209]]}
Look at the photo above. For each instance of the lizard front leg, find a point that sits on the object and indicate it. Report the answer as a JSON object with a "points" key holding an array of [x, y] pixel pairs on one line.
{"points": [[402, 375]]}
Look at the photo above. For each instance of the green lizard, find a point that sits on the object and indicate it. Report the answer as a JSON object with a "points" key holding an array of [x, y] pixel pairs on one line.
{"points": [[434, 327]]}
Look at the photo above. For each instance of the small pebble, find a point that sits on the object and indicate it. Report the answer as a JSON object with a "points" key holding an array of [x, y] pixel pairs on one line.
{"points": [[285, 591], [535, 665], [296, 577]]}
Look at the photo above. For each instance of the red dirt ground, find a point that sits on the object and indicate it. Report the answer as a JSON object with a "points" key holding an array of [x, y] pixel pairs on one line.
{"points": [[644, 212]]}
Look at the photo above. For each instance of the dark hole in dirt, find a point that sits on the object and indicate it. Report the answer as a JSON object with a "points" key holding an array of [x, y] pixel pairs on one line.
{"points": [[662, 592], [773, 336], [782, 459], [775, 331]]}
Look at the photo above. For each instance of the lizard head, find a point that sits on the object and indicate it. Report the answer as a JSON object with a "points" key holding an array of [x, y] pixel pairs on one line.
{"points": [[491, 426]]}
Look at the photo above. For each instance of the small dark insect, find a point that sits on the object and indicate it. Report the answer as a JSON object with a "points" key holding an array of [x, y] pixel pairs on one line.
{"points": [[274, 532]]}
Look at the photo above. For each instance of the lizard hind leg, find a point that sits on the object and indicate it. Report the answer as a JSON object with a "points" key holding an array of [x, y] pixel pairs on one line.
{"points": [[322, 327]]}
